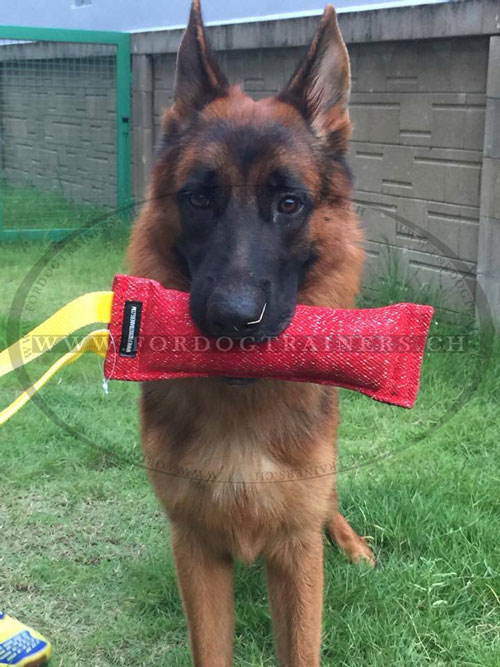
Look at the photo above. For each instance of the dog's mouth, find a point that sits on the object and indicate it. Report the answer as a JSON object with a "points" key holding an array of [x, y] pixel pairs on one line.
{"points": [[237, 382], [263, 337]]}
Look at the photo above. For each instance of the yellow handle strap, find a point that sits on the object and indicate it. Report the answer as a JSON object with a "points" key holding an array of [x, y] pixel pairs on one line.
{"points": [[97, 342], [86, 309]]}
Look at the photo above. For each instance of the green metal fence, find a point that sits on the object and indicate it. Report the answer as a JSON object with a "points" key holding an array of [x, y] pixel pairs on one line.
{"points": [[64, 129]]}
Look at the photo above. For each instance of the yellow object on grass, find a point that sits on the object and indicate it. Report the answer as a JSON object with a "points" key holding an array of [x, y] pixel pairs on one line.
{"points": [[20, 645]]}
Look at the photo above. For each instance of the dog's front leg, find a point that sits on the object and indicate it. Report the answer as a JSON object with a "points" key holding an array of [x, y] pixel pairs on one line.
{"points": [[206, 584], [295, 581]]}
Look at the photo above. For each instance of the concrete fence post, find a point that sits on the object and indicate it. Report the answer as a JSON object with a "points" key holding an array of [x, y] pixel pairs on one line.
{"points": [[488, 261], [142, 123]]}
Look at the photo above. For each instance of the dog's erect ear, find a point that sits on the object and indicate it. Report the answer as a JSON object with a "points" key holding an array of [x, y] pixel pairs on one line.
{"points": [[320, 86], [198, 78]]}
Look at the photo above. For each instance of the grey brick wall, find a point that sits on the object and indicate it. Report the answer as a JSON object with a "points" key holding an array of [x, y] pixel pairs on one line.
{"points": [[419, 115], [58, 122]]}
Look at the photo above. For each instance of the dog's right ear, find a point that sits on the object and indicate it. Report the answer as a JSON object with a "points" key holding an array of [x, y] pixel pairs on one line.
{"points": [[319, 88], [198, 78]]}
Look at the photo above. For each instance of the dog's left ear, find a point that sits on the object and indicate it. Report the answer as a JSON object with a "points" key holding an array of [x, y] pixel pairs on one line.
{"points": [[198, 77], [320, 86]]}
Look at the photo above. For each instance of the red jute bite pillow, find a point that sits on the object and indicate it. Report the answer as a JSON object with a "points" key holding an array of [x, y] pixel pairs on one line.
{"points": [[376, 351]]}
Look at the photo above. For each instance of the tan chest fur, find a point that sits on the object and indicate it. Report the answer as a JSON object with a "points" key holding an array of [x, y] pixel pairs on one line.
{"points": [[242, 464]]}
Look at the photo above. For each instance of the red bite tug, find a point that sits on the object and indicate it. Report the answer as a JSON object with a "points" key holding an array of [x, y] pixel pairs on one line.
{"points": [[376, 351]]}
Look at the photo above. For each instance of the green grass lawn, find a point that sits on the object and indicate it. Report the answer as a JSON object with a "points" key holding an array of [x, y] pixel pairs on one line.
{"points": [[85, 555]]}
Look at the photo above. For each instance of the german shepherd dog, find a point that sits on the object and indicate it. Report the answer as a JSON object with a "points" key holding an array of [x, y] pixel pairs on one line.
{"points": [[249, 211]]}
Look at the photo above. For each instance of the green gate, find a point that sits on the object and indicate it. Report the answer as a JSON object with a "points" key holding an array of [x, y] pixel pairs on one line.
{"points": [[64, 130]]}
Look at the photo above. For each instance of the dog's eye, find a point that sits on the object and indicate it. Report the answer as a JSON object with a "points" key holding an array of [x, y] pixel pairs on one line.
{"points": [[199, 200], [289, 205]]}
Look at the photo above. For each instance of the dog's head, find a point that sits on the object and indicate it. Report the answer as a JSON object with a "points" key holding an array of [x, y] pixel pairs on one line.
{"points": [[249, 205]]}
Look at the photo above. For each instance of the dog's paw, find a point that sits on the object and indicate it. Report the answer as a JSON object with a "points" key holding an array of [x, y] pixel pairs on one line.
{"points": [[362, 553], [353, 545]]}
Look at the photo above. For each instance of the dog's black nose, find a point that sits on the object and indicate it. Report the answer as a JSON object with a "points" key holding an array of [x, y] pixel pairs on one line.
{"points": [[236, 312]]}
